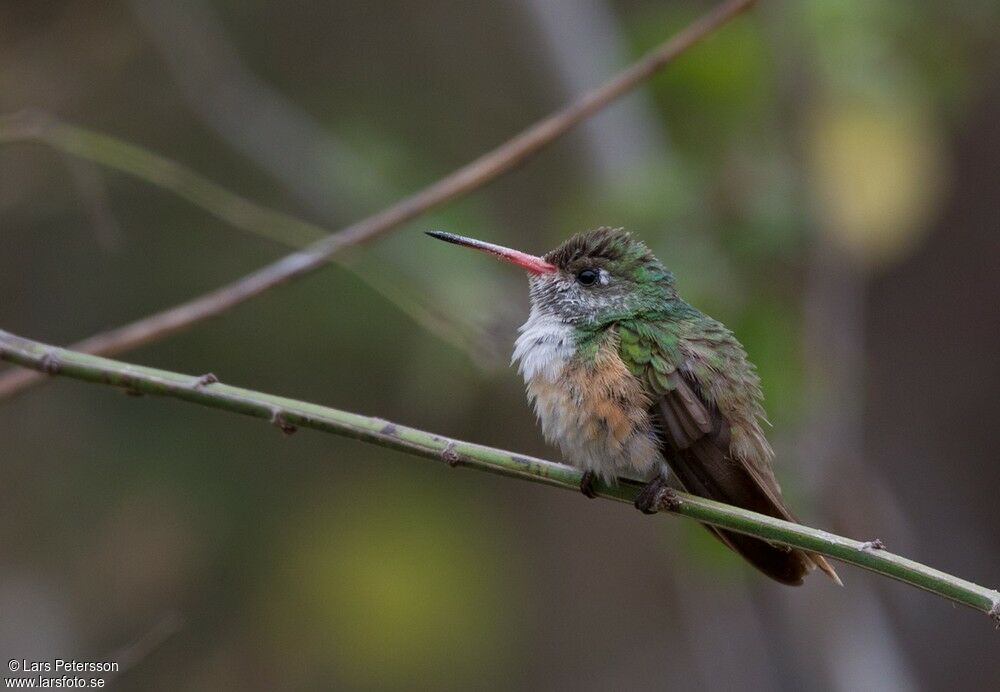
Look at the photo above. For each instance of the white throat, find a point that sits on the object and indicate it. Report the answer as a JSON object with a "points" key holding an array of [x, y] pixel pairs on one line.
{"points": [[543, 347]]}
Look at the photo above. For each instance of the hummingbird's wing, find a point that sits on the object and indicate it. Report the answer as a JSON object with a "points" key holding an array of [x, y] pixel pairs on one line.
{"points": [[697, 442]]}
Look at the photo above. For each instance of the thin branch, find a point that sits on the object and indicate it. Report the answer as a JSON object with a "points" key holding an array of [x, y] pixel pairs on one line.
{"points": [[470, 177], [250, 115], [227, 206], [165, 173], [288, 414]]}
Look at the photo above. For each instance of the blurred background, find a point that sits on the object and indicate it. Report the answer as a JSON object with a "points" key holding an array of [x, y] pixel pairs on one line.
{"points": [[821, 176]]}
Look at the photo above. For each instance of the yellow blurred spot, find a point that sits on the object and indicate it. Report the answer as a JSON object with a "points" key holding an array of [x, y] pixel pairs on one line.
{"points": [[401, 585], [877, 174]]}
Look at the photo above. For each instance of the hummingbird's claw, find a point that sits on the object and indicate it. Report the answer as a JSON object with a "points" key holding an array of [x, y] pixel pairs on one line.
{"points": [[656, 495], [587, 484]]}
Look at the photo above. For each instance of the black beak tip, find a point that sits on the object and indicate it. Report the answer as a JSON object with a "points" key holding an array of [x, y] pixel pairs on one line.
{"points": [[446, 237]]}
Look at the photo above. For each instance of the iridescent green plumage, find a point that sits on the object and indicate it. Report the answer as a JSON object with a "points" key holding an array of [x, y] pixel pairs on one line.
{"points": [[660, 334], [705, 393], [627, 378]]}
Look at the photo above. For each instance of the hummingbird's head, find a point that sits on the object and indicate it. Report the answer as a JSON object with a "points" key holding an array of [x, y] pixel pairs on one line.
{"points": [[594, 278]]}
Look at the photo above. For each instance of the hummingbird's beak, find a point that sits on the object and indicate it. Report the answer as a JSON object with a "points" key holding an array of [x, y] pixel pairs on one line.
{"points": [[535, 265]]}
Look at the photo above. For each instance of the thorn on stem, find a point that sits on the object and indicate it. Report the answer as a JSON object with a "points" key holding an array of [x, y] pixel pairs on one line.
{"points": [[283, 425], [205, 380], [450, 455], [872, 546]]}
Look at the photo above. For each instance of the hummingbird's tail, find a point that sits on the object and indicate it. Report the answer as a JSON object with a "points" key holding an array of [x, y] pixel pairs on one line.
{"points": [[785, 565], [704, 470]]}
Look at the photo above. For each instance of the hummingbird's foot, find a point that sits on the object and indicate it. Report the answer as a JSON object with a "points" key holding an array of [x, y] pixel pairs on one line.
{"points": [[587, 484], [656, 495]]}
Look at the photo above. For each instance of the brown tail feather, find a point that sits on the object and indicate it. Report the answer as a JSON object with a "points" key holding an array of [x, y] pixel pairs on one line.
{"points": [[825, 567], [705, 471]]}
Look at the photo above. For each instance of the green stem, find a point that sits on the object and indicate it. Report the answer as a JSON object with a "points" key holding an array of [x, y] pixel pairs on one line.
{"points": [[288, 414]]}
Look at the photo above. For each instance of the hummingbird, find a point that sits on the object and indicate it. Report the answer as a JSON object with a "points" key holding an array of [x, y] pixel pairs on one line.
{"points": [[629, 380]]}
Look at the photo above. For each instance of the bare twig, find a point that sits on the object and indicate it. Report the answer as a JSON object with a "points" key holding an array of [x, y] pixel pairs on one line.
{"points": [[165, 173], [292, 413], [239, 212], [470, 177], [308, 160]]}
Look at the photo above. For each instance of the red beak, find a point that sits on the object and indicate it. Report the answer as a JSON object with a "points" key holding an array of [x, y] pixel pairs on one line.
{"points": [[535, 265]]}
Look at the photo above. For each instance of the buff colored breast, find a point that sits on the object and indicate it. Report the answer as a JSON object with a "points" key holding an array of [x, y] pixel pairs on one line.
{"points": [[596, 411]]}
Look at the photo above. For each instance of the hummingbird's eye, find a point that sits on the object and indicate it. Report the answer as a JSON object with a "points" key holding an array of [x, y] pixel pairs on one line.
{"points": [[587, 277]]}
